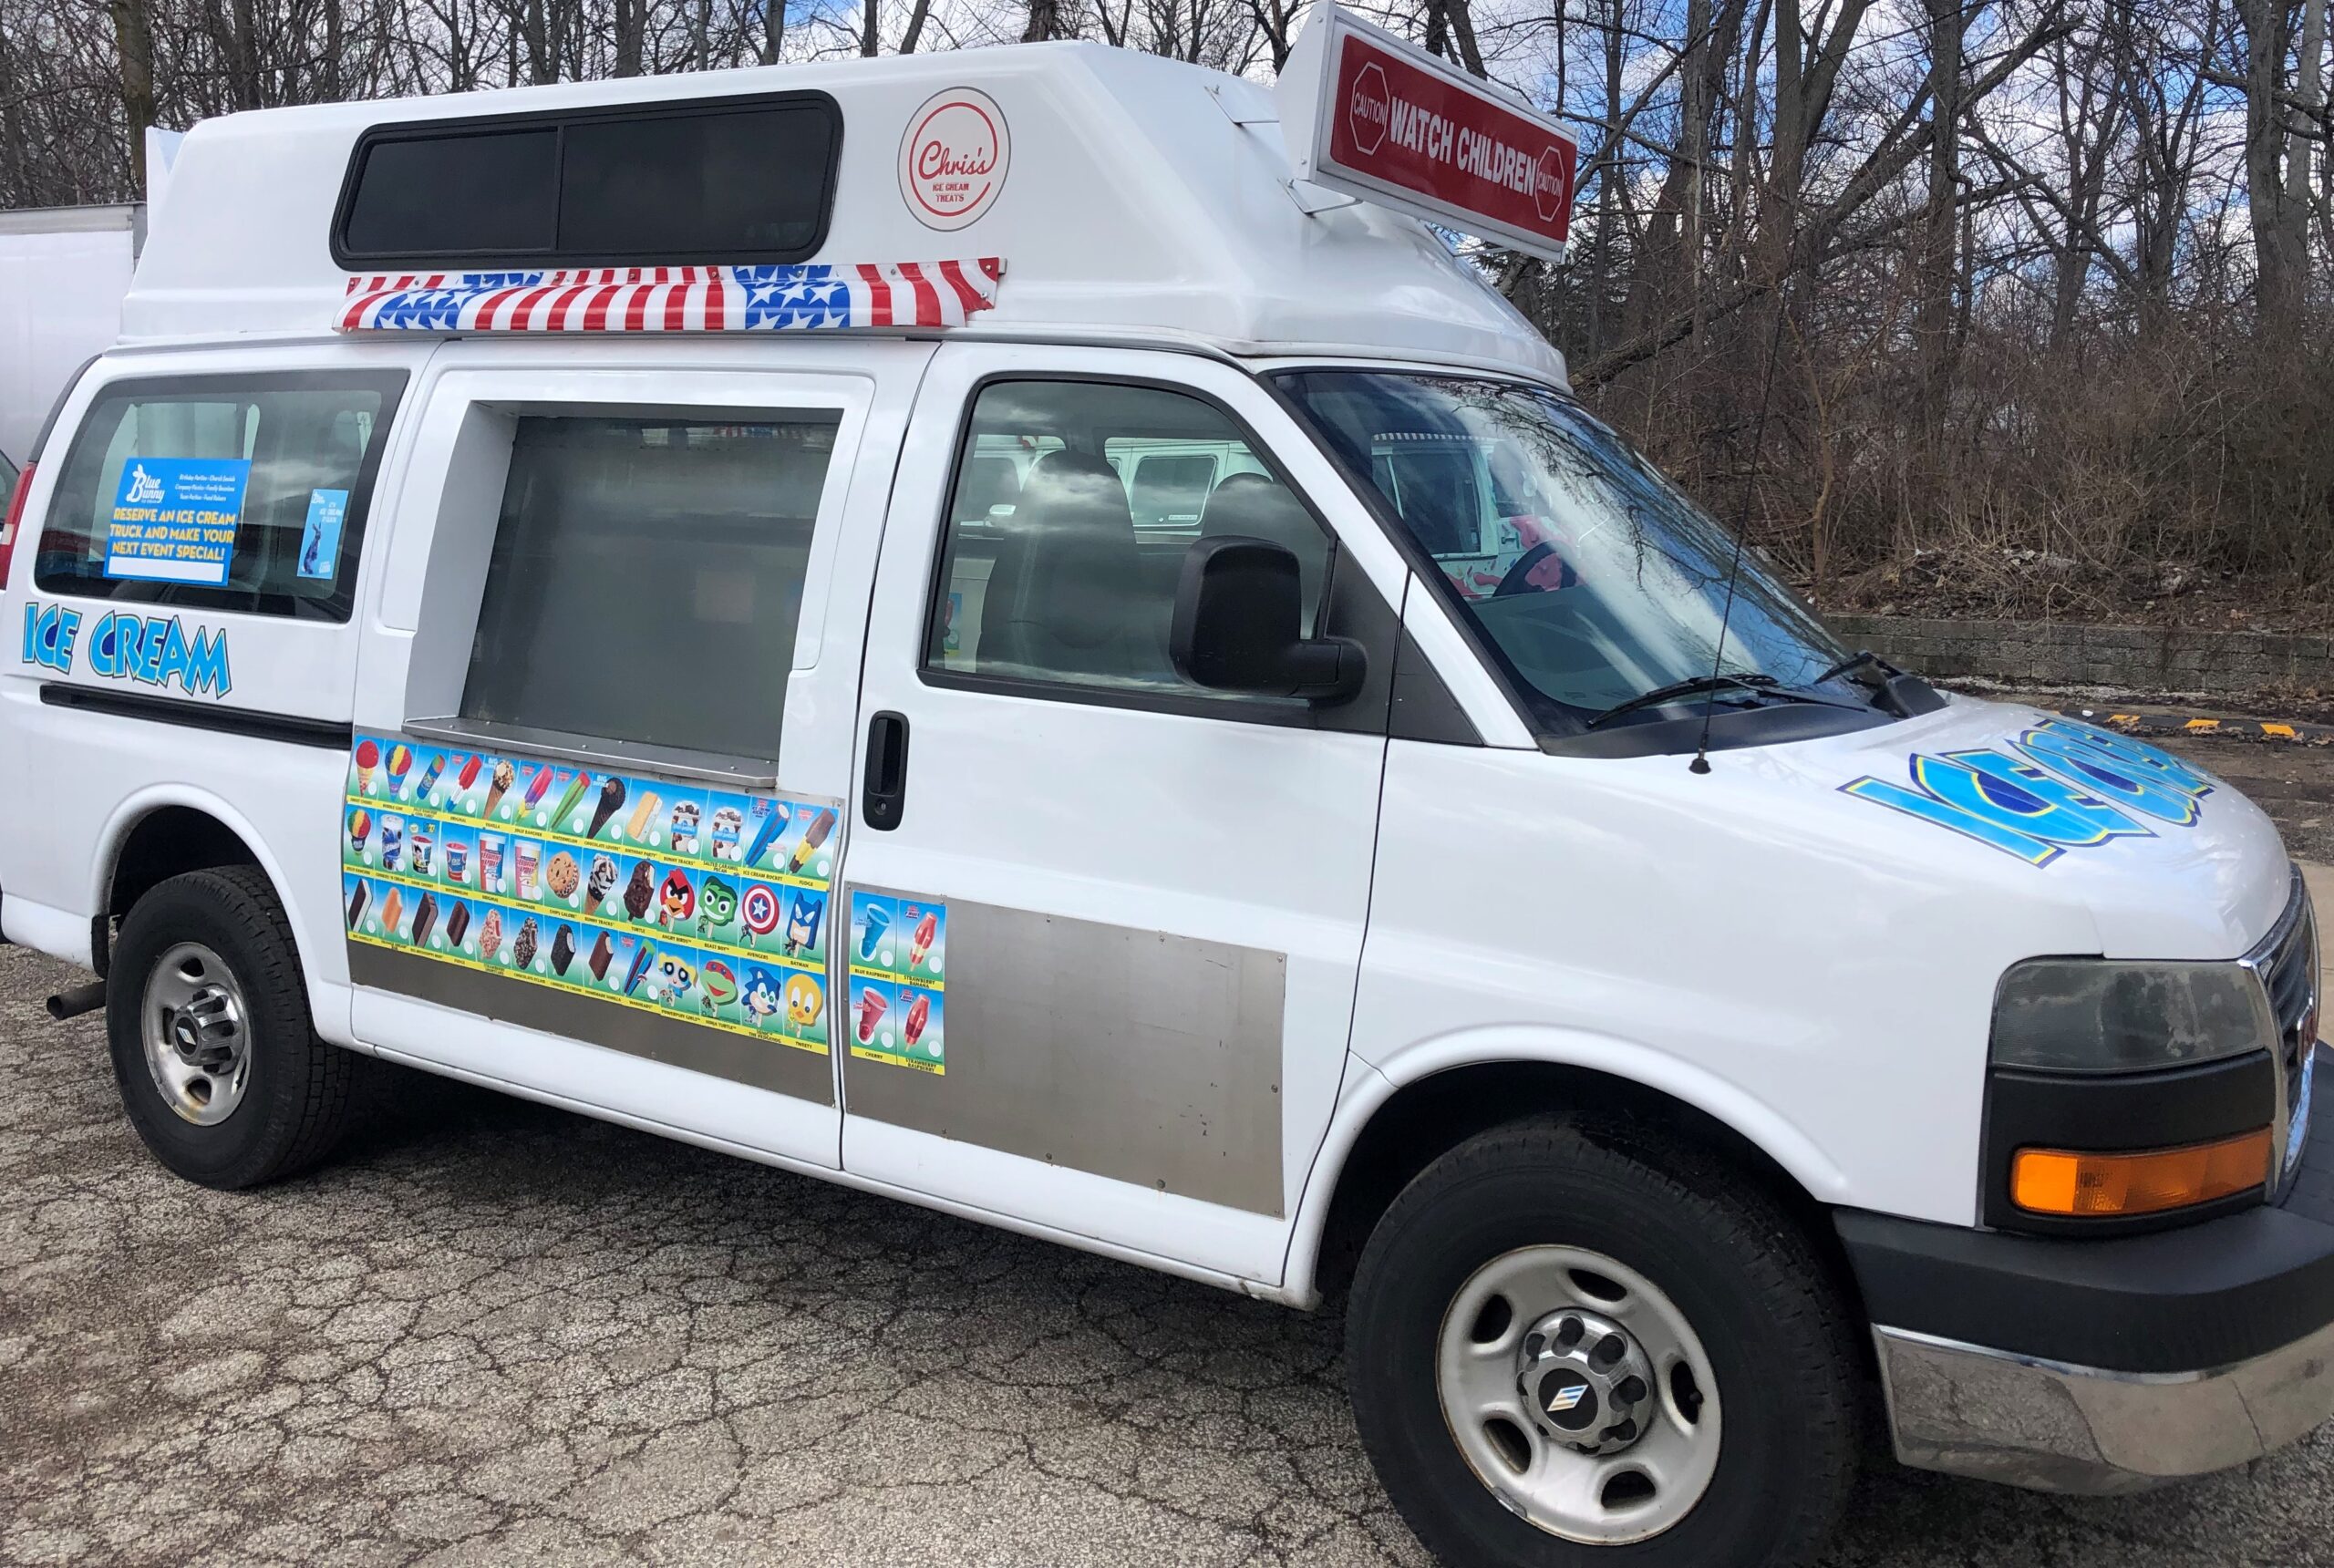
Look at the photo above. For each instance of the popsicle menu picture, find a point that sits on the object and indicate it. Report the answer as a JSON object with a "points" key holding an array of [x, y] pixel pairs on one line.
{"points": [[898, 954], [707, 904]]}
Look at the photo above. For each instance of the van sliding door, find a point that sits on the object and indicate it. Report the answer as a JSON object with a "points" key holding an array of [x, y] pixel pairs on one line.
{"points": [[594, 816]]}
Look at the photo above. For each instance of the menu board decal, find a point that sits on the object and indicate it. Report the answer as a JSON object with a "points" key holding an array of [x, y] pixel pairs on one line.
{"points": [[899, 989], [708, 905]]}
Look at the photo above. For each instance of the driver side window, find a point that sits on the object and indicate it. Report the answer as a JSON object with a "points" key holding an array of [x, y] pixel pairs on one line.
{"points": [[1073, 506]]}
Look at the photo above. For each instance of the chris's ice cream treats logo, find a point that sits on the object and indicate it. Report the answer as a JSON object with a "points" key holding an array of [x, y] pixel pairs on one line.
{"points": [[953, 157]]}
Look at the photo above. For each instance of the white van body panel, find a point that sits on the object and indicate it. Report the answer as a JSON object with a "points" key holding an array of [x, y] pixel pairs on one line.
{"points": [[1814, 970], [1143, 196]]}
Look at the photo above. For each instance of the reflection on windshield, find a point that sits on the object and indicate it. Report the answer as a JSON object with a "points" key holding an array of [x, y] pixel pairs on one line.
{"points": [[1592, 576]]}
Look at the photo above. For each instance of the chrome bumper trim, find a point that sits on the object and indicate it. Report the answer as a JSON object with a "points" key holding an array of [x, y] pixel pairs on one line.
{"points": [[2048, 1426]]}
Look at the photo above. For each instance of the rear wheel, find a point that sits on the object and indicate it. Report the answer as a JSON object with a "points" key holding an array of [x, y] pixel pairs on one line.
{"points": [[208, 1025], [1574, 1347]]}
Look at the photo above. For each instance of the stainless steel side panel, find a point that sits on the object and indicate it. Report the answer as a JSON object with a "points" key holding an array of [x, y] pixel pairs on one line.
{"points": [[1126, 1053], [764, 1064]]}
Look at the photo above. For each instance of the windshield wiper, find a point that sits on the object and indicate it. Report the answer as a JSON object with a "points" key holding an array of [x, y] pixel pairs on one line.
{"points": [[1857, 661], [1761, 683]]}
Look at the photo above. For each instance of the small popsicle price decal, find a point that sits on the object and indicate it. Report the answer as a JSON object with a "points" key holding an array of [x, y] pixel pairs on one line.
{"points": [[705, 904], [899, 954]]}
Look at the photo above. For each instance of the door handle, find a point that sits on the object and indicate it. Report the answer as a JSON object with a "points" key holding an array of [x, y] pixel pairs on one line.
{"points": [[885, 788]]}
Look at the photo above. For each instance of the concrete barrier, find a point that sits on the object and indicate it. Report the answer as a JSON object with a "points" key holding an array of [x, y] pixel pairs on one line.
{"points": [[2069, 654]]}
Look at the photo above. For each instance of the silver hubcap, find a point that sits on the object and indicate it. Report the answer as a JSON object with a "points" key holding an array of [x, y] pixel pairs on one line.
{"points": [[1578, 1394], [197, 1043]]}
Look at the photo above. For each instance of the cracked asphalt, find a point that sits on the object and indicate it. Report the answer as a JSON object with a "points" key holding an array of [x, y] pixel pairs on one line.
{"points": [[491, 1332]]}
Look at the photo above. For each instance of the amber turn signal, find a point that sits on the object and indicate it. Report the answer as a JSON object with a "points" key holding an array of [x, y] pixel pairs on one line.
{"points": [[2056, 1182]]}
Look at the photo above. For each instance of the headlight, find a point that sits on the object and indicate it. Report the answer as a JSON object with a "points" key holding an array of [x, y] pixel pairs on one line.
{"points": [[2092, 1015]]}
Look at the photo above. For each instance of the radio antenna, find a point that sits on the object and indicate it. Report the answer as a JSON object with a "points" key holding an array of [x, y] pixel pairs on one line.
{"points": [[1702, 763]]}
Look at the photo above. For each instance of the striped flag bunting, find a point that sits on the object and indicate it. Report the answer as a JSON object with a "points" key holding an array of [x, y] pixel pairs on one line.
{"points": [[801, 297]]}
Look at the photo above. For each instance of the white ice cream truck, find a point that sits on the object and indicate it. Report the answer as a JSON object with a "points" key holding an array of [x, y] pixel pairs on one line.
{"points": [[1013, 630]]}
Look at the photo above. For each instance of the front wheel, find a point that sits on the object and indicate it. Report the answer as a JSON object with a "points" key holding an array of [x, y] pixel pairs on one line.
{"points": [[1571, 1348]]}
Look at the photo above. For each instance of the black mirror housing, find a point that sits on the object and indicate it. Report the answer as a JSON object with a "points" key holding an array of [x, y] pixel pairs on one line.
{"points": [[1239, 625]]}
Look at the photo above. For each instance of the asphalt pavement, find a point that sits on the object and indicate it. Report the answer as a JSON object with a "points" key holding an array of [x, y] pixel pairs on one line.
{"points": [[490, 1332]]}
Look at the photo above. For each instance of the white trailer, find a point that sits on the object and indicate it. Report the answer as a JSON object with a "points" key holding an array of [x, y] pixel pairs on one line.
{"points": [[63, 273]]}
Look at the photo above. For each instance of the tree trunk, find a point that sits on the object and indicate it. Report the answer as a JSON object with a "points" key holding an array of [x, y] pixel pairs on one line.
{"points": [[2279, 251], [542, 48], [1044, 22], [871, 36], [242, 57], [630, 23], [1939, 262], [2309, 100], [915, 26], [133, 37], [773, 30]]}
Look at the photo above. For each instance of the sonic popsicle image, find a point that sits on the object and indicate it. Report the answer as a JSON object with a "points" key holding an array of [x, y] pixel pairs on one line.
{"points": [[812, 837]]}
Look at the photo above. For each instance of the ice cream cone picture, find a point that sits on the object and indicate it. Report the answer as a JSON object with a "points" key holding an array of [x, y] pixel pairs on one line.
{"points": [[499, 784], [368, 757], [400, 764]]}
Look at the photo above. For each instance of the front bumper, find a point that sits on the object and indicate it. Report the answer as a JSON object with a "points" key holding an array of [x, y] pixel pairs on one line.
{"points": [[2113, 1365], [2044, 1425]]}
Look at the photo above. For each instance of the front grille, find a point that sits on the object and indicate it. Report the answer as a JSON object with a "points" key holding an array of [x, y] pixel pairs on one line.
{"points": [[2291, 975]]}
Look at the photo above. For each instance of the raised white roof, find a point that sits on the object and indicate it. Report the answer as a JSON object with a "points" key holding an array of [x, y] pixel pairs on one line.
{"points": [[1143, 197]]}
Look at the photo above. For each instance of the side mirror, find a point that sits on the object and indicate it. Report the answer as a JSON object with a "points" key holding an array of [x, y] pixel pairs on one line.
{"points": [[1239, 619]]}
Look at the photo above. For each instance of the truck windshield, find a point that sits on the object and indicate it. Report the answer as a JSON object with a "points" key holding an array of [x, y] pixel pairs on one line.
{"points": [[1589, 575]]}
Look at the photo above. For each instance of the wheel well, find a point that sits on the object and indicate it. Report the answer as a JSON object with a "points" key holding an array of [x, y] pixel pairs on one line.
{"points": [[165, 842], [1434, 1115]]}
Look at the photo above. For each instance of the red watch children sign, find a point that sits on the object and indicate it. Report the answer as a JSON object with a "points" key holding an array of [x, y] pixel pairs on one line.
{"points": [[1378, 118]]}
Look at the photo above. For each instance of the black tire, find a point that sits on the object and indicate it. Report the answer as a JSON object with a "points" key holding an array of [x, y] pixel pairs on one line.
{"points": [[296, 1094], [1732, 1261]]}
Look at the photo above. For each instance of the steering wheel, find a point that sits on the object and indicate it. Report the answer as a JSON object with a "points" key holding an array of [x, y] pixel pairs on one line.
{"points": [[1518, 577]]}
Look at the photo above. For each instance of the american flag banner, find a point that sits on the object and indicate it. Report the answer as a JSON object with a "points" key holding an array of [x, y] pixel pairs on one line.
{"points": [[800, 298]]}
